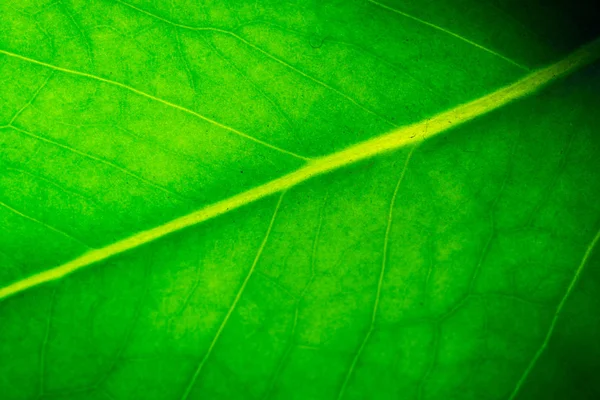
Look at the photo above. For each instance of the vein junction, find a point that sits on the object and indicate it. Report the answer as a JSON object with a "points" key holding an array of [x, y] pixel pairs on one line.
{"points": [[393, 140], [154, 98]]}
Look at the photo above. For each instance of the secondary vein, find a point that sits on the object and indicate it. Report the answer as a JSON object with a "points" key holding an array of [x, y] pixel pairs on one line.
{"points": [[198, 370], [384, 263], [559, 308], [393, 140], [266, 54], [154, 98], [446, 31]]}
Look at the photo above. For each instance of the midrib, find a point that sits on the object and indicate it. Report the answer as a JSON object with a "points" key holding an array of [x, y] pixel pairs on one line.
{"points": [[393, 140]]}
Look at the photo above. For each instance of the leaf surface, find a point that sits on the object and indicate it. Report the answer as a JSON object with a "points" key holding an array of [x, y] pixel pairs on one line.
{"points": [[311, 200]]}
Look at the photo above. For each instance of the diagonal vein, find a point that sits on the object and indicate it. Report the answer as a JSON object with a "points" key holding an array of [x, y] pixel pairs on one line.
{"points": [[99, 160], [393, 140], [384, 262], [45, 225], [439, 28], [559, 308], [30, 102], [266, 54], [234, 304], [154, 98]]}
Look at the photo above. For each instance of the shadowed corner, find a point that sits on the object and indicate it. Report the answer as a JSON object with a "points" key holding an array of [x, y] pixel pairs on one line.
{"points": [[562, 25], [581, 18]]}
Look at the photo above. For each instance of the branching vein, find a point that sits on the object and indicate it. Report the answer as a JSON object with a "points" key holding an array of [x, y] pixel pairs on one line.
{"points": [[154, 98], [384, 262], [393, 140], [234, 304], [266, 54]]}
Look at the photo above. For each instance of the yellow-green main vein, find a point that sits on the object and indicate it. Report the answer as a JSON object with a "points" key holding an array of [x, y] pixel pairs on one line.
{"points": [[382, 144]]}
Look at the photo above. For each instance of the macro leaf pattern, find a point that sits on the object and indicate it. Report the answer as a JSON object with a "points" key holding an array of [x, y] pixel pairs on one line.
{"points": [[296, 200]]}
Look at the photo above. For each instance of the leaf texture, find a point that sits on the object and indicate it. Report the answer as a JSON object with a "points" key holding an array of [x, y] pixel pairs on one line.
{"points": [[304, 200]]}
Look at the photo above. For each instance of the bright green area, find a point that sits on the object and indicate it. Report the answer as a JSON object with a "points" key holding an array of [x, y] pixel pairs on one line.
{"points": [[447, 292]]}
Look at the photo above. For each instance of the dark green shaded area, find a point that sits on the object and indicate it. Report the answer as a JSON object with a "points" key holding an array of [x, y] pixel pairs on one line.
{"points": [[569, 367]]}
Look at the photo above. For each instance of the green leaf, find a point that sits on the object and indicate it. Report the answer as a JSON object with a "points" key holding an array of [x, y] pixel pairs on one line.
{"points": [[298, 200]]}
